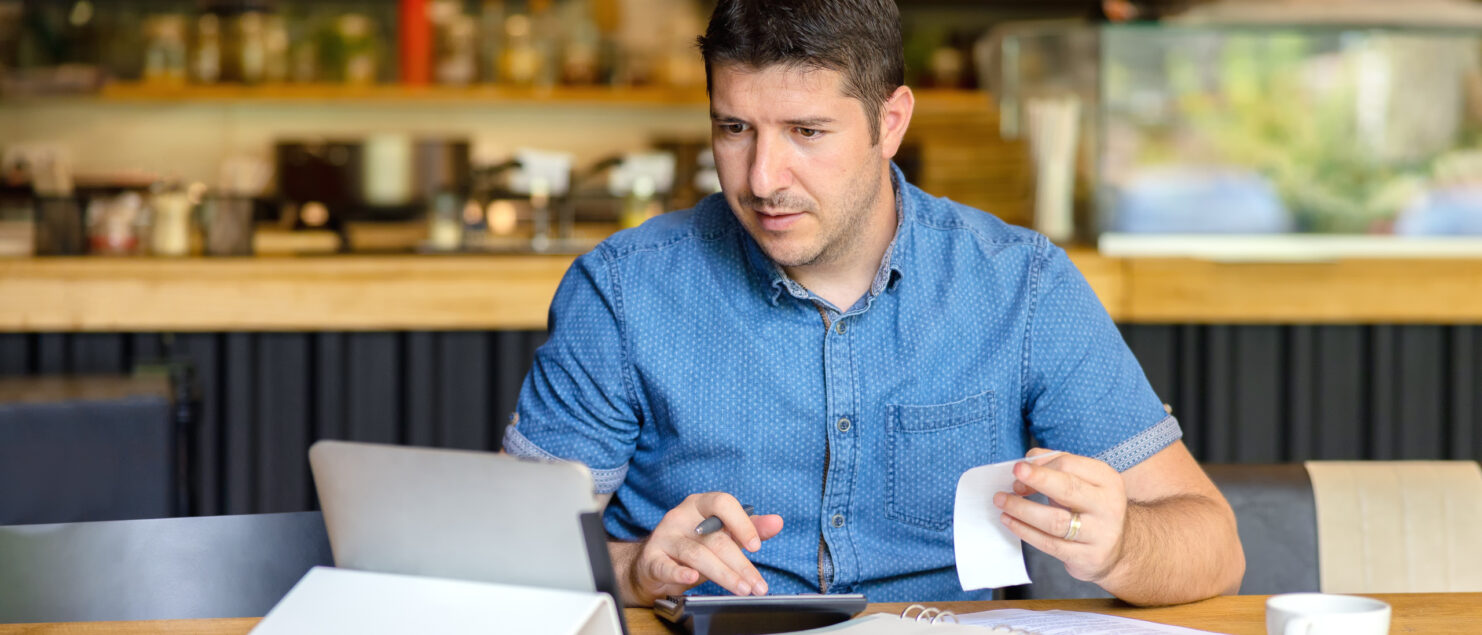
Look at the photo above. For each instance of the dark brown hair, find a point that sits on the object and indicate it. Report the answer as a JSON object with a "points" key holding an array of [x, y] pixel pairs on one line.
{"points": [[860, 39]]}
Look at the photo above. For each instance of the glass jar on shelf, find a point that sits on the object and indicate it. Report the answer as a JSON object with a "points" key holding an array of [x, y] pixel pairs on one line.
{"points": [[456, 59], [520, 64], [348, 50], [276, 47], [247, 51], [114, 223], [205, 54], [164, 50]]}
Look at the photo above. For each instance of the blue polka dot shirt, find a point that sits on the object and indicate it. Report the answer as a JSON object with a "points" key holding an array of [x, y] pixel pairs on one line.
{"points": [[682, 360]]}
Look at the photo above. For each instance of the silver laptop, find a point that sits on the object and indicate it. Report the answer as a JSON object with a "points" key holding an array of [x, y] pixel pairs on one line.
{"points": [[461, 514]]}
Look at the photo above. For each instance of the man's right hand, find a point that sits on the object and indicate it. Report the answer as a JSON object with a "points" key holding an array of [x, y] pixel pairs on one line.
{"points": [[674, 558]]}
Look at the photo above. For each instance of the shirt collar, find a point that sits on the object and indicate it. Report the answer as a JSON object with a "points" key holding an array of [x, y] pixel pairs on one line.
{"points": [[886, 277]]}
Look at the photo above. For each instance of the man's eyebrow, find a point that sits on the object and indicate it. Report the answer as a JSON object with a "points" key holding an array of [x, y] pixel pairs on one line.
{"points": [[810, 122], [805, 122]]}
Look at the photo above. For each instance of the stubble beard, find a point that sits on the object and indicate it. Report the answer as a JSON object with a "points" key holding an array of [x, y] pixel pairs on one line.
{"points": [[835, 242]]}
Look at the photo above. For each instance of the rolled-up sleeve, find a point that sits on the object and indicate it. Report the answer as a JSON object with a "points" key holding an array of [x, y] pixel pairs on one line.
{"points": [[1084, 390], [577, 402]]}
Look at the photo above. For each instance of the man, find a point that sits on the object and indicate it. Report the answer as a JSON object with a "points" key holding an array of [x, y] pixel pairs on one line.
{"points": [[830, 344]]}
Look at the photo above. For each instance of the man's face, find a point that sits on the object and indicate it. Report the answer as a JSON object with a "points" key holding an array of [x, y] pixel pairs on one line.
{"points": [[795, 160]]}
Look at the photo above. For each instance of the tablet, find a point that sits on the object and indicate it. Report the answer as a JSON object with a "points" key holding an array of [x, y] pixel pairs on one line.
{"points": [[733, 614]]}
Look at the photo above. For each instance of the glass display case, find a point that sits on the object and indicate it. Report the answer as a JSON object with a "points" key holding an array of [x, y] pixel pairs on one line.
{"points": [[1314, 130]]}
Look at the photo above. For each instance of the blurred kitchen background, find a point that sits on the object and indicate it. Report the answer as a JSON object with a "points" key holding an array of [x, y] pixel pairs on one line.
{"points": [[231, 227]]}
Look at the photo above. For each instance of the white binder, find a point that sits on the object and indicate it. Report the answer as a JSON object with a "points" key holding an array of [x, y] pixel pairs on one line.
{"points": [[331, 600]]}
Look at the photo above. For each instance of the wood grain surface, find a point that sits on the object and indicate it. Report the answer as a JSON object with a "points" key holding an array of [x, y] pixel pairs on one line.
{"points": [[513, 292], [1235, 614]]}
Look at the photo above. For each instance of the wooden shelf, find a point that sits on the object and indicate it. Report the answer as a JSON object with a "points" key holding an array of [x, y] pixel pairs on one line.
{"points": [[396, 93], [1357, 291], [350, 293], [934, 101], [510, 292]]}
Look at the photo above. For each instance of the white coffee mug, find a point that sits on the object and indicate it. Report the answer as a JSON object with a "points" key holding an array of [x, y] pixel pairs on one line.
{"points": [[1325, 614]]}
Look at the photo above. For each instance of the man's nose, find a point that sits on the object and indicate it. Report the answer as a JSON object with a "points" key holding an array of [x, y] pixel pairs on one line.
{"points": [[771, 167]]}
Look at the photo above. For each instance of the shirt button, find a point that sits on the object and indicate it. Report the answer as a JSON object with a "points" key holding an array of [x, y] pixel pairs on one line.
{"points": [[837, 520], [841, 327], [843, 424]]}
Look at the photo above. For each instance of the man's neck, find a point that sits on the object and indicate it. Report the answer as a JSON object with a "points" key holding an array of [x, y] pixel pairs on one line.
{"points": [[844, 281]]}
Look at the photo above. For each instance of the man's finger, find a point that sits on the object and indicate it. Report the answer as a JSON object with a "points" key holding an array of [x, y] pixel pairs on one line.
{"points": [[733, 517], [664, 571], [1062, 487], [767, 525], [735, 559], [1053, 521], [698, 556], [1052, 546], [1088, 469]]}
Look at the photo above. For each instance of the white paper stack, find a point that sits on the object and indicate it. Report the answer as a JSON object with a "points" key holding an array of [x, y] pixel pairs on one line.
{"points": [[330, 600]]}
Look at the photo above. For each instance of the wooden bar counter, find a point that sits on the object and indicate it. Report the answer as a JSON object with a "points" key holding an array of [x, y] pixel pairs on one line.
{"points": [[513, 292], [1235, 614]]}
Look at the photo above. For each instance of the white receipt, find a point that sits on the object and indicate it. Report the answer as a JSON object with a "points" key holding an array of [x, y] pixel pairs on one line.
{"points": [[989, 556], [1070, 623]]}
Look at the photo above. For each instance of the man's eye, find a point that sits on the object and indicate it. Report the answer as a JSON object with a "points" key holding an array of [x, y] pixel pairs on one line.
{"points": [[809, 133], [733, 128]]}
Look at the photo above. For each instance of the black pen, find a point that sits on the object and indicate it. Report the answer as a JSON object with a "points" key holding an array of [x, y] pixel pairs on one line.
{"points": [[712, 524]]}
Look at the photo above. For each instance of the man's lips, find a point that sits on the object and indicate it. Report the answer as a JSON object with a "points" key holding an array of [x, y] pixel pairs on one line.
{"points": [[776, 221]]}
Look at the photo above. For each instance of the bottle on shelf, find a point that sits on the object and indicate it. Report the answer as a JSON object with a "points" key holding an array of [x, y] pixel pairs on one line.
{"points": [[521, 60], [164, 50], [205, 55], [546, 34]]}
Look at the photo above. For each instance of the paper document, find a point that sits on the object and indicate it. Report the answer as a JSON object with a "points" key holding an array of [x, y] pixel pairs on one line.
{"points": [[1071, 623], [989, 556], [1019, 621], [331, 600]]}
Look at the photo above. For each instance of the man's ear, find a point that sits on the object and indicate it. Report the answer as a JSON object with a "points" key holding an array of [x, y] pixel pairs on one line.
{"points": [[895, 117]]}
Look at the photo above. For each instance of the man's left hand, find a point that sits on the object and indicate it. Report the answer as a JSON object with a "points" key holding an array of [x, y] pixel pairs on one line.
{"points": [[1084, 525]]}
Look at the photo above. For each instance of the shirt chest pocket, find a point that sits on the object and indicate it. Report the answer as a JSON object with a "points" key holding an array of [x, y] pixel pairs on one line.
{"points": [[929, 448]]}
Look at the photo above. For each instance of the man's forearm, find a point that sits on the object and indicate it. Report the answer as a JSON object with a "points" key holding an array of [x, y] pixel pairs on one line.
{"points": [[1175, 550]]}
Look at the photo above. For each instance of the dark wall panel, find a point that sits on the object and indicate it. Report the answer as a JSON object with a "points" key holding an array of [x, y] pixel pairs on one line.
{"points": [[15, 353], [373, 395], [283, 434], [1420, 392], [1258, 391], [1464, 420], [1300, 391], [465, 419], [1242, 393], [204, 352], [53, 352], [1340, 403], [240, 406], [330, 386], [421, 386]]}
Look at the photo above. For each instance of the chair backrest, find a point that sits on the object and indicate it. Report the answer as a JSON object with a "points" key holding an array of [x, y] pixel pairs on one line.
{"points": [[168, 568], [87, 448], [1398, 526], [1277, 522]]}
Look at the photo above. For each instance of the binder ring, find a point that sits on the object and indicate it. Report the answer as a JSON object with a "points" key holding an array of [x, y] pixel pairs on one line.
{"points": [[929, 613], [906, 614], [943, 616]]}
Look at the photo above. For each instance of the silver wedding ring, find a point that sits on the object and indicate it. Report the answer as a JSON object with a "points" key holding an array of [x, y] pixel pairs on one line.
{"points": [[1075, 526]]}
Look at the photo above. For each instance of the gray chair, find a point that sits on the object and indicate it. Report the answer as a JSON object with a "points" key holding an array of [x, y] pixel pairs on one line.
{"points": [[167, 568], [86, 448], [1277, 521]]}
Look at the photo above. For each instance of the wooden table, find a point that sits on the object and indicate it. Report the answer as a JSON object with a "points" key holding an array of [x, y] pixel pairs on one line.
{"points": [[1236, 614]]}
